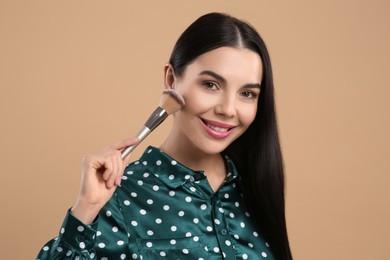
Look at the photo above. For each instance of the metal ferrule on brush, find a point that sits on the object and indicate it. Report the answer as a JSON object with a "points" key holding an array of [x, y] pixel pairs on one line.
{"points": [[155, 119]]}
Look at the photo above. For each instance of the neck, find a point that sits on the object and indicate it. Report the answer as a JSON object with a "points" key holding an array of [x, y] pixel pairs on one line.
{"points": [[189, 155]]}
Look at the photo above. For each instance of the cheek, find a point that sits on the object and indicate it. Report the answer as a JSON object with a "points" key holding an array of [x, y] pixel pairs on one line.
{"points": [[197, 103], [249, 115]]}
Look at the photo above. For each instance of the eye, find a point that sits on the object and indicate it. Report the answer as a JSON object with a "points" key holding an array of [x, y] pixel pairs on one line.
{"points": [[210, 85], [249, 94]]}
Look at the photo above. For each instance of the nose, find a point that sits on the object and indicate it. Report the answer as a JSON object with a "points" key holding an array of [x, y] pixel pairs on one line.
{"points": [[226, 106]]}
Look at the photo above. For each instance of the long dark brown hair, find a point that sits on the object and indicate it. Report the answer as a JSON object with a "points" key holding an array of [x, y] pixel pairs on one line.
{"points": [[257, 152]]}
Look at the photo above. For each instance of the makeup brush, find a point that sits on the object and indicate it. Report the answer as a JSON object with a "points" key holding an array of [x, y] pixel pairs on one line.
{"points": [[171, 101]]}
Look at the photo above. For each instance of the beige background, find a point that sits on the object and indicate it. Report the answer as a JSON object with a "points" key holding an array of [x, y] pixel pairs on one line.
{"points": [[78, 75]]}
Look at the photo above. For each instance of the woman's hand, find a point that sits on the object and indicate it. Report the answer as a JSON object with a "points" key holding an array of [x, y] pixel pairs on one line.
{"points": [[101, 174]]}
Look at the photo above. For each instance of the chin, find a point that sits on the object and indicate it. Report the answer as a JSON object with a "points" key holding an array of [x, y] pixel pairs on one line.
{"points": [[212, 147]]}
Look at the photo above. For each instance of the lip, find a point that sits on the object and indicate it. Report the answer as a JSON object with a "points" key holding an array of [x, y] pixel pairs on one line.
{"points": [[214, 133]]}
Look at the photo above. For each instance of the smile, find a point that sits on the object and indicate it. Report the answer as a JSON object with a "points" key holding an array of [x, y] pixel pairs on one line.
{"points": [[216, 129]]}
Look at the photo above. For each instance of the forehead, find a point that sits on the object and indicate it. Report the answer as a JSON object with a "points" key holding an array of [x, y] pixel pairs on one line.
{"points": [[229, 62]]}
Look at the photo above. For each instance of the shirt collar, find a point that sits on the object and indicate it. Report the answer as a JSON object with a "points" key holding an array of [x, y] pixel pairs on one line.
{"points": [[175, 174]]}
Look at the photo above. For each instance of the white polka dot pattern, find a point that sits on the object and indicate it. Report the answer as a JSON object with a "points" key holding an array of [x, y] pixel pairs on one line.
{"points": [[164, 214]]}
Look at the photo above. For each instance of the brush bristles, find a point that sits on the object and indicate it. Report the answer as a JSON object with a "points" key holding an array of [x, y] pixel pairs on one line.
{"points": [[171, 101]]}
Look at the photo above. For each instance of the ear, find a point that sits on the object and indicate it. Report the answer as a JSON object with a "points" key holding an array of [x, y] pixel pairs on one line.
{"points": [[169, 76]]}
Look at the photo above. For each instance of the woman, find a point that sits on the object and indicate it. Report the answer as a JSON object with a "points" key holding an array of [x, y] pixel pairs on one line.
{"points": [[215, 188]]}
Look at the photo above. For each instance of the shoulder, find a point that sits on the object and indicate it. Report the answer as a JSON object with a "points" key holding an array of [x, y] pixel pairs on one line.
{"points": [[134, 171], [137, 176], [135, 168]]}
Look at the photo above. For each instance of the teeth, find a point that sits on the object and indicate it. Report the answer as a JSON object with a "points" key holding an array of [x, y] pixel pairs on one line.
{"points": [[219, 129]]}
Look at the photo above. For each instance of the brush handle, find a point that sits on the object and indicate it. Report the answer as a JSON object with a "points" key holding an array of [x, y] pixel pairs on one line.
{"points": [[142, 134], [155, 119]]}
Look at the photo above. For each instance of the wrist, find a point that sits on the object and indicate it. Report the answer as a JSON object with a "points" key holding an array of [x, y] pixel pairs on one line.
{"points": [[84, 212]]}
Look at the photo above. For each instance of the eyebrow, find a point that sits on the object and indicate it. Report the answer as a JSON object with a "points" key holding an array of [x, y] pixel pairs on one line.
{"points": [[223, 80]]}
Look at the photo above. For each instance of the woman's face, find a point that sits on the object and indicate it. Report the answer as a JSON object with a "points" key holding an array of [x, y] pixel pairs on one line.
{"points": [[221, 90]]}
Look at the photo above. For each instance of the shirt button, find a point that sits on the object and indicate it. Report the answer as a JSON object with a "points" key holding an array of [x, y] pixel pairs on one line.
{"points": [[192, 179], [224, 232], [198, 176]]}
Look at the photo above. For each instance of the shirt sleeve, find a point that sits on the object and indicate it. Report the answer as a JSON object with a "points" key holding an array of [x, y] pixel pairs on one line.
{"points": [[105, 237]]}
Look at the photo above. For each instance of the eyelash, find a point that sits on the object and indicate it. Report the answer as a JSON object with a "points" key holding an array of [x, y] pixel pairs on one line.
{"points": [[249, 94], [212, 86]]}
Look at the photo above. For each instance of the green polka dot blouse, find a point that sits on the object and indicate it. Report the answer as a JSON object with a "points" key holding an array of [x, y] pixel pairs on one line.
{"points": [[164, 210]]}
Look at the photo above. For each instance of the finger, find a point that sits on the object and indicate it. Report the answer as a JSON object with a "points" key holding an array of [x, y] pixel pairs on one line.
{"points": [[126, 160], [118, 167], [111, 180], [115, 166], [123, 143], [108, 169], [120, 170], [94, 161]]}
